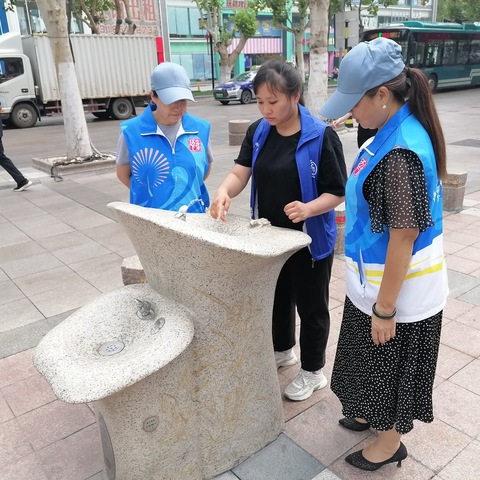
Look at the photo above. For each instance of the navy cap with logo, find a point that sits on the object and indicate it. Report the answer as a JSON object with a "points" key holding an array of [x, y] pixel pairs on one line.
{"points": [[366, 66], [171, 83]]}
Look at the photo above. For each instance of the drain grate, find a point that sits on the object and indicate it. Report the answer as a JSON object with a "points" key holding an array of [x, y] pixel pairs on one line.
{"points": [[111, 348]]}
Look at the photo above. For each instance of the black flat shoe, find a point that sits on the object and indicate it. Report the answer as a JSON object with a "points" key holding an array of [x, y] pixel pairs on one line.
{"points": [[353, 424], [358, 460]]}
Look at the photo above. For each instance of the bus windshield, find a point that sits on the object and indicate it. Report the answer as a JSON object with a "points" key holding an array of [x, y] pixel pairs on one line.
{"points": [[448, 53]]}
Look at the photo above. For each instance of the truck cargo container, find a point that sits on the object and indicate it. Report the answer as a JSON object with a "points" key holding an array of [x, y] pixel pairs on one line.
{"points": [[113, 74]]}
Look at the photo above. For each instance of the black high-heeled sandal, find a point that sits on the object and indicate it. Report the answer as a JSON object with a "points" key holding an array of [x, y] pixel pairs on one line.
{"points": [[353, 424], [358, 460]]}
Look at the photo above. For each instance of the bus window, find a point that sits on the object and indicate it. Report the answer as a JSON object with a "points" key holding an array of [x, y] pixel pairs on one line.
{"points": [[434, 55], [462, 52], [449, 50], [474, 52]]}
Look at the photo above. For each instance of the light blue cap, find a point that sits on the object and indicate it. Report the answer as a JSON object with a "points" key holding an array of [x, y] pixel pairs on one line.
{"points": [[366, 66], [171, 83]]}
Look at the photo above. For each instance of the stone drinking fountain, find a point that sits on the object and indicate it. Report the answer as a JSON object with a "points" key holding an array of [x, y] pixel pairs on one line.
{"points": [[179, 371]]}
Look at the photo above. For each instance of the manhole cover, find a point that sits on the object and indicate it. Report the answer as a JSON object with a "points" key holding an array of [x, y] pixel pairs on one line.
{"points": [[111, 348]]}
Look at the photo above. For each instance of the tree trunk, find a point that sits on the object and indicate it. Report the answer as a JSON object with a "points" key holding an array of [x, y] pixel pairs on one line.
{"points": [[54, 15], [318, 79], [299, 54], [227, 60]]}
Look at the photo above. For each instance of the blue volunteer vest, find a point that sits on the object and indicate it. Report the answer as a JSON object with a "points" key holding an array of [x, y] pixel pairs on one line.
{"points": [[322, 228], [425, 288], [163, 176]]}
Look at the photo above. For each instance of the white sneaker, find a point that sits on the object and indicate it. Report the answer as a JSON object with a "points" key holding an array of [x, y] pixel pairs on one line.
{"points": [[285, 358], [305, 384]]}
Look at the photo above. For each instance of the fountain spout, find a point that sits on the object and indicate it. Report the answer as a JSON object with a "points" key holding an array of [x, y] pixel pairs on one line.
{"points": [[182, 211]]}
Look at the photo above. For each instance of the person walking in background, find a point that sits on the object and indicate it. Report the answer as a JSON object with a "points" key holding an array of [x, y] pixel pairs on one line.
{"points": [[396, 274], [22, 182], [297, 170], [163, 155], [363, 134]]}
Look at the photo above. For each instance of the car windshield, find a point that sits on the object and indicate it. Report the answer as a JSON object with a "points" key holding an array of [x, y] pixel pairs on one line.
{"points": [[244, 77]]}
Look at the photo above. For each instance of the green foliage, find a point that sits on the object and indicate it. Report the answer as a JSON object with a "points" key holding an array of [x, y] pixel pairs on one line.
{"points": [[281, 12], [90, 11], [370, 6], [243, 20], [458, 11]]}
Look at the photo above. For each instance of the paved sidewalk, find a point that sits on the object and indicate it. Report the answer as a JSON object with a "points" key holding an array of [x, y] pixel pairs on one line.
{"points": [[60, 248]]}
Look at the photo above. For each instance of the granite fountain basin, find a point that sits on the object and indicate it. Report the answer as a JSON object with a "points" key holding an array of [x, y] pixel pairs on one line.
{"points": [[225, 273], [107, 345]]}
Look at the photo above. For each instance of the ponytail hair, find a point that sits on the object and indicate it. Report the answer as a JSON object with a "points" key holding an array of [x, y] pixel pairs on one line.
{"points": [[412, 86], [420, 100]]}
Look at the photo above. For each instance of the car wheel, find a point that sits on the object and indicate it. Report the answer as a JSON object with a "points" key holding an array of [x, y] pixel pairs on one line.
{"points": [[246, 97], [433, 82], [224, 102]]}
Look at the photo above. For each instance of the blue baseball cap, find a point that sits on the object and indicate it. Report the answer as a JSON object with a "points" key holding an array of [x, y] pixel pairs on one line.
{"points": [[171, 83], [366, 66]]}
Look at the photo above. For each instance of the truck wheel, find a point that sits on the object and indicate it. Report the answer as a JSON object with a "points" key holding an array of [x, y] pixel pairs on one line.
{"points": [[246, 96], [23, 115], [120, 109], [101, 115]]}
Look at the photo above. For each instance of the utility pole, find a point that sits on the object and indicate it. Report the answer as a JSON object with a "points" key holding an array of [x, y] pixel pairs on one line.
{"points": [[164, 31]]}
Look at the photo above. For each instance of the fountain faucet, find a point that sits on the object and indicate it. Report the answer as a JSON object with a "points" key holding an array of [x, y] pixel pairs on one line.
{"points": [[182, 211], [145, 310]]}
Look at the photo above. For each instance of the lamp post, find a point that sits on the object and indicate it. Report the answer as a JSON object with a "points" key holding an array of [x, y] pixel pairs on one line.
{"points": [[210, 43]]}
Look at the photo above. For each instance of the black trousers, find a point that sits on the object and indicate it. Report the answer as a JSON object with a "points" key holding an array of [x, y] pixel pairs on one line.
{"points": [[304, 285], [8, 165]]}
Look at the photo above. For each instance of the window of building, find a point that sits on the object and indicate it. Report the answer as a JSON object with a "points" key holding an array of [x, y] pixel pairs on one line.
{"points": [[30, 20]]}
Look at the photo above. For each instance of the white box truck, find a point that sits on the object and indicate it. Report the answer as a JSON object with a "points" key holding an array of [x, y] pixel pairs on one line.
{"points": [[113, 75]]}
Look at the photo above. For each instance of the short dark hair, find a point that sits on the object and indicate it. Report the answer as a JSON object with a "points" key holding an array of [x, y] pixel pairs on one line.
{"points": [[281, 77]]}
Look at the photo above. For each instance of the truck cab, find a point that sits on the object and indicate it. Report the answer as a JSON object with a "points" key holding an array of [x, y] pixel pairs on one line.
{"points": [[17, 87]]}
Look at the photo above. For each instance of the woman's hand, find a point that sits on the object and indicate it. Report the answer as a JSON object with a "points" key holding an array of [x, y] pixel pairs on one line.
{"points": [[382, 330], [220, 205], [297, 211]]}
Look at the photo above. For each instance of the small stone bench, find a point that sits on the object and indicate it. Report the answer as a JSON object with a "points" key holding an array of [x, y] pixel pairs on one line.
{"points": [[340, 220], [454, 191], [132, 271], [236, 131]]}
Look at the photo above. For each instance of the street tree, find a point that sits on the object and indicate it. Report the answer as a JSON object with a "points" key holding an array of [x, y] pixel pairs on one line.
{"points": [[91, 13], [54, 15], [363, 7], [243, 22], [458, 10], [291, 16], [316, 94]]}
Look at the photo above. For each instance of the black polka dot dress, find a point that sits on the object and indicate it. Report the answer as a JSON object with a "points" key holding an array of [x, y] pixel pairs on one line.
{"points": [[390, 385]]}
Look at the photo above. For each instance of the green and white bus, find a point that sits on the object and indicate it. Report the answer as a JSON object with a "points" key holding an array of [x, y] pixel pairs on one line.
{"points": [[448, 53]]}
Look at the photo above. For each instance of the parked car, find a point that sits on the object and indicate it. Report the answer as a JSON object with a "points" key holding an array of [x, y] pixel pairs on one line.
{"points": [[238, 89]]}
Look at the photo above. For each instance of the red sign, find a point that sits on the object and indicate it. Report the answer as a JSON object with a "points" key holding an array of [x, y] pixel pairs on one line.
{"points": [[195, 144]]}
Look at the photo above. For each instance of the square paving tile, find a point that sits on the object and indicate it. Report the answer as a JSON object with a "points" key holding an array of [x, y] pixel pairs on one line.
{"points": [[76, 457], [13, 443], [465, 466], [28, 394], [283, 459], [25, 468], [54, 421], [457, 407]]}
